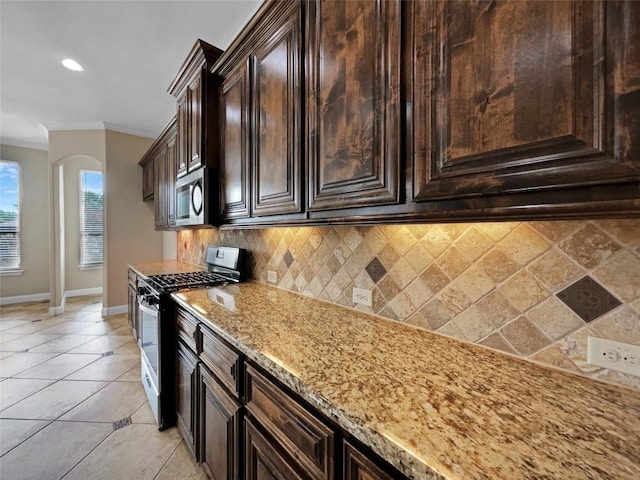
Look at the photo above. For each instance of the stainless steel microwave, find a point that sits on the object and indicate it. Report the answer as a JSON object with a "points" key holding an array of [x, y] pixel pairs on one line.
{"points": [[193, 205]]}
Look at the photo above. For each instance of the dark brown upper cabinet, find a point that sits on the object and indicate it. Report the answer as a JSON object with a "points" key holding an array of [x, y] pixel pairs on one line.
{"points": [[159, 177], [261, 116], [148, 183], [235, 140], [353, 103], [196, 93], [530, 103], [276, 89]]}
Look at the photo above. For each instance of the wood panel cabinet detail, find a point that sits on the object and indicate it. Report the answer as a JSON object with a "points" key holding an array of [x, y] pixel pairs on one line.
{"points": [[182, 134], [132, 306], [353, 103], [160, 199], [159, 168], [358, 466], [220, 418], [263, 461], [148, 180], [187, 395], [501, 105], [235, 138], [196, 93], [297, 431], [276, 111]]}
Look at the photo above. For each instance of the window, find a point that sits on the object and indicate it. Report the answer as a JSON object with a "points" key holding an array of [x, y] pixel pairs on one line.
{"points": [[91, 218], [9, 216]]}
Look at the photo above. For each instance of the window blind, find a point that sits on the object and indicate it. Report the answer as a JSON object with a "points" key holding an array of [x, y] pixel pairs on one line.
{"points": [[9, 215], [91, 218]]}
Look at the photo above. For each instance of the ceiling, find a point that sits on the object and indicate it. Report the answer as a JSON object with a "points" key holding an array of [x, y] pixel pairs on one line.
{"points": [[131, 51]]}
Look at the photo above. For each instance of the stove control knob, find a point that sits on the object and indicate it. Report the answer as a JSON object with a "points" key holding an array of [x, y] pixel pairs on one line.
{"points": [[143, 291], [152, 300]]}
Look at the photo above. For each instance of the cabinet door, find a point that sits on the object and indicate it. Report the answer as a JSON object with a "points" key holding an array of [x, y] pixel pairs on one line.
{"points": [[148, 181], [276, 118], [517, 96], [160, 198], [219, 429], [296, 430], [132, 308], [358, 467], [194, 125], [187, 395], [172, 173], [353, 104], [263, 461], [235, 152], [182, 118]]}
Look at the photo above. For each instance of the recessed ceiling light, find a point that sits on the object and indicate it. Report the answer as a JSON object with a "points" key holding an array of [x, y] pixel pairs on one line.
{"points": [[72, 65]]}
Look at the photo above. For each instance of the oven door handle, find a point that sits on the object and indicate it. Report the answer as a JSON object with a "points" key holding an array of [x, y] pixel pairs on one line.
{"points": [[148, 310]]}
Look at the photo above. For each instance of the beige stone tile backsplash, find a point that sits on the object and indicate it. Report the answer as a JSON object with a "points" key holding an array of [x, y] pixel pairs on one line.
{"points": [[493, 284]]}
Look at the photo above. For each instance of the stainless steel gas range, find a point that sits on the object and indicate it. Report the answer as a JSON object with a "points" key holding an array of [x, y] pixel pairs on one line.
{"points": [[157, 330]]}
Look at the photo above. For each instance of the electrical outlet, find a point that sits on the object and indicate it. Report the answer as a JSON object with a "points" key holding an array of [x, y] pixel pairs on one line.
{"points": [[362, 296], [622, 357], [272, 277]]}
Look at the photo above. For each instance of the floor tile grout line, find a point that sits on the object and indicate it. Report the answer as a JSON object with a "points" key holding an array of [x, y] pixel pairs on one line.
{"points": [[46, 386], [168, 458], [30, 436], [88, 453], [66, 411]]}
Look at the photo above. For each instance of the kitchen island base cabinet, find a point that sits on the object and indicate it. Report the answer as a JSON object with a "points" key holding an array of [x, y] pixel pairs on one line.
{"points": [[219, 429], [186, 395]]}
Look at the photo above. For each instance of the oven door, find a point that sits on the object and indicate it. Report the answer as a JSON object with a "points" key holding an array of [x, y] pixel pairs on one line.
{"points": [[149, 323]]}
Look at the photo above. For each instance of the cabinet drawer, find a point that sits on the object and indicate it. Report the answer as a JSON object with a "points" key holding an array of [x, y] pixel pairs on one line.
{"points": [[357, 466], [302, 435], [221, 359], [187, 328]]}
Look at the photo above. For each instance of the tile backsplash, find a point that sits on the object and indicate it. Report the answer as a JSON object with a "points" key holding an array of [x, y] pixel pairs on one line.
{"points": [[532, 289]]}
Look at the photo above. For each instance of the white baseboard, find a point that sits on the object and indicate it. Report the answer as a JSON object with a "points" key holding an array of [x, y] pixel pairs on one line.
{"points": [[83, 291], [115, 310], [35, 297]]}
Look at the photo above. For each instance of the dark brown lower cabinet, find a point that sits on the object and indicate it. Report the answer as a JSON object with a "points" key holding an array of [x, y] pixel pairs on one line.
{"points": [[132, 309], [219, 429], [262, 460], [357, 466], [186, 395]]}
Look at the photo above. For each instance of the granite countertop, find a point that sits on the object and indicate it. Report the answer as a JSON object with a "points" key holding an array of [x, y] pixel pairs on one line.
{"points": [[164, 266], [432, 406]]}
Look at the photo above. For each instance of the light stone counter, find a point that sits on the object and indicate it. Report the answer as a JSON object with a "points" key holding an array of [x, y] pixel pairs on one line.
{"points": [[162, 267], [432, 406]]}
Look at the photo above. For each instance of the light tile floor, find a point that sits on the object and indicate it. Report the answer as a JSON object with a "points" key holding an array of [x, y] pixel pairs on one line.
{"points": [[66, 384]]}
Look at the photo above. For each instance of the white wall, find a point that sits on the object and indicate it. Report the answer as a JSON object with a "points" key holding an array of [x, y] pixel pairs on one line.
{"points": [[34, 223]]}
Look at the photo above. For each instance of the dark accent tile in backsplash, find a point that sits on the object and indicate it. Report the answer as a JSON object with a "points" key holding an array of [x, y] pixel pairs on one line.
{"points": [[588, 299], [376, 270], [288, 258]]}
